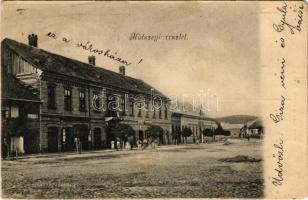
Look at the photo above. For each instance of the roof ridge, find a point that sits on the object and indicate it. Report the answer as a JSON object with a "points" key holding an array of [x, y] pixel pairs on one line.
{"points": [[55, 63], [73, 59]]}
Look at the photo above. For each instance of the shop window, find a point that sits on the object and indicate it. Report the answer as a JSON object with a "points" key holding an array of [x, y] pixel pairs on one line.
{"points": [[14, 112], [32, 116]]}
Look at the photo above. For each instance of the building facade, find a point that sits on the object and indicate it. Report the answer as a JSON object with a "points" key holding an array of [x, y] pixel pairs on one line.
{"points": [[82, 101], [196, 123], [20, 117]]}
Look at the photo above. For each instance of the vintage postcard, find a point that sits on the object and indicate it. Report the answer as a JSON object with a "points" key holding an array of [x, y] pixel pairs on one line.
{"points": [[154, 99]]}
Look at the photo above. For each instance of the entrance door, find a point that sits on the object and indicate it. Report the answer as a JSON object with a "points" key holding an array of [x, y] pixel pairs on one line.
{"points": [[97, 138], [67, 139], [31, 141], [82, 132], [52, 139], [161, 139], [141, 135]]}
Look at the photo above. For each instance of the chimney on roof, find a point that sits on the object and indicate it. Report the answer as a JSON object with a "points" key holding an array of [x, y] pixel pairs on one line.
{"points": [[91, 60], [122, 70], [32, 40]]}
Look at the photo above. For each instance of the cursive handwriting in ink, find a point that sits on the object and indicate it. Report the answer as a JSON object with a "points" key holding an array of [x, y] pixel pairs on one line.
{"points": [[284, 22], [66, 40], [278, 155], [282, 73], [279, 114], [88, 46], [52, 35], [140, 61]]}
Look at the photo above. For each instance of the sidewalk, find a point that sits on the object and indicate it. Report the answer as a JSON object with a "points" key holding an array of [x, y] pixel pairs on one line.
{"points": [[90, 153], [61, 154]]}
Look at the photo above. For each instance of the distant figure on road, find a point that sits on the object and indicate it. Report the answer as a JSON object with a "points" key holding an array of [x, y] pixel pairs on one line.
{"points": [[248, 134], [118, 145], [112, 144], [77, 144], [131, 145], [127, 146], [139, 144], [145, 143]]}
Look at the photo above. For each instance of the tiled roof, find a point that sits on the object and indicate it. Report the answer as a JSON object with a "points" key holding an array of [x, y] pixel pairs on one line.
{"points": [[13, 88], [50, 62]]}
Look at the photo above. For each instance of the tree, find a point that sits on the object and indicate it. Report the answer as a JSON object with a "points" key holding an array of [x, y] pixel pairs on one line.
{"points": [[122, 131], [227, 133], [186, 132], [221, 131], [208, 132], [176, 134], [154, 132]]}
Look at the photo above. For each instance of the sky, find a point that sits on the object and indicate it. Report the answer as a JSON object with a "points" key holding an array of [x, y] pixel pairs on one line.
{"points": [[220, 57]]}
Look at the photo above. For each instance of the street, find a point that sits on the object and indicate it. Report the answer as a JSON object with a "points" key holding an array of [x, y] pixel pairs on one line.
{"points": [[191, 170]]}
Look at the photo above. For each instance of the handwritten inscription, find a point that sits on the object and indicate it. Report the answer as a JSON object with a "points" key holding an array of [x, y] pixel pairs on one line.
{"points": [[88, 46], [277, 180], [277, 116], [287, 20], [157, 37], [282, 74], [291, 20]]}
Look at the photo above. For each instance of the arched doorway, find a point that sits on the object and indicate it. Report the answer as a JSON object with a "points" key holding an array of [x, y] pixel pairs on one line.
{"points": [[120, 132], [82, 132], [155, 133]]}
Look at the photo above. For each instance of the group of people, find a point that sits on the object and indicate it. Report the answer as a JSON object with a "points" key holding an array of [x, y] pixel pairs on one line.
{"points": [[145, 143], [120, 145], [128, 145]]}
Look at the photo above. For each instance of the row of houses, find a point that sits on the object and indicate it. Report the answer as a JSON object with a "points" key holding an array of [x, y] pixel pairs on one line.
{"points": [[49, 101]]}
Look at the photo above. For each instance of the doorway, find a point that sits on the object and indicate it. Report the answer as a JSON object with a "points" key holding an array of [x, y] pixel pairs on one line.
{"points": [[67, 139], [141, 135], [82, 132], [97, 138], [52, 139]]}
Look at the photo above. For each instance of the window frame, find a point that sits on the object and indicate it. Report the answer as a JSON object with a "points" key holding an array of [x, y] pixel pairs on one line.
{"points": [[68, 104], [131, 107], [97, 101], [51, 97], [17, 111], [82, 101]]}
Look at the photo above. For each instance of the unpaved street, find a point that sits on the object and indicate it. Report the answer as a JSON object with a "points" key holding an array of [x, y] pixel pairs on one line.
{"points": [[169, 171]]}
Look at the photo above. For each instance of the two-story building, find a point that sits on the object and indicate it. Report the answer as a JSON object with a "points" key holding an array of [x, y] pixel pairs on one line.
{"points": [[83, 101]]}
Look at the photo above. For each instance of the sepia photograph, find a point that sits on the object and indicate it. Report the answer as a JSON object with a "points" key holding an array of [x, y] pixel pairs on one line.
{"points": [[140, 99]]}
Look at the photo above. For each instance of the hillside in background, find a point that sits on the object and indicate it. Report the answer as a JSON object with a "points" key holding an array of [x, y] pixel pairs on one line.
{"points": [[237, 119]]}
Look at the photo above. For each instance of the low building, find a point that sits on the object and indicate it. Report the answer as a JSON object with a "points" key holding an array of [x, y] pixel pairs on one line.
{"points": [[194, 122], [233, 128], [20, 117], [82, 102]]}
